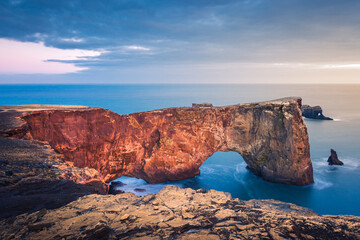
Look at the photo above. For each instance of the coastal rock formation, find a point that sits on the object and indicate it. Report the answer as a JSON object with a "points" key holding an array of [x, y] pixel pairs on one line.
{"points": [[333, 159], [33, 176], [313, 112], [171, 144], [202, 105], [176, 213], [43, 196]]}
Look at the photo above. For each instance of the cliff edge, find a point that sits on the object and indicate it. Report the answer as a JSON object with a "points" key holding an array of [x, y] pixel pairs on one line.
{"points": [[171, 144]]}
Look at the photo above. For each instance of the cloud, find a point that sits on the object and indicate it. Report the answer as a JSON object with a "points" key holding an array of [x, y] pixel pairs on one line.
{"points": [[201, 35], [72, 40], [341, 66], [34, 58], [324, 66], [136, 48]]}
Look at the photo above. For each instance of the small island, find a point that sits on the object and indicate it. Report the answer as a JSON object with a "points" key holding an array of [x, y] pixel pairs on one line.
{"points": [[313, 112]]}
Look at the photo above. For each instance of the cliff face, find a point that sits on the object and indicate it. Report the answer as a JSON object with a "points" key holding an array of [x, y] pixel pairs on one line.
{"points": [[32, 175], [171, 144]]}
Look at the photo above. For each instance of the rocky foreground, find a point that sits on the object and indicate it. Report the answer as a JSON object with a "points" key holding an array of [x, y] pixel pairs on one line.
{"points": [[176, 213]]}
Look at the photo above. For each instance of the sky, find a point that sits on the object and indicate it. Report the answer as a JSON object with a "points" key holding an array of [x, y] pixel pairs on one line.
{"points": [[179, 41]]}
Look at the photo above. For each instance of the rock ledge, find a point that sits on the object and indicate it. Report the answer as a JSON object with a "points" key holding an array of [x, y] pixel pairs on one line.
{"points": [[176, 213]]}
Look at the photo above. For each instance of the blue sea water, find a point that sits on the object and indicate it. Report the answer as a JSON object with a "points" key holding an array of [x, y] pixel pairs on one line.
{"points": [[336, 189]]}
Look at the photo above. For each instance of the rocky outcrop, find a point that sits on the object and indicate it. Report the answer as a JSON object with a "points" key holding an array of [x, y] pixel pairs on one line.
{"points": [[313, 112], [176, 213], [333, 159], [171, 144], [202, 105], [33, 176]]}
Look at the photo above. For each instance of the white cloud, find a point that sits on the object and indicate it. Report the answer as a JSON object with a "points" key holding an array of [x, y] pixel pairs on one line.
{"points": [[136, 48], [33, 58], [318, 65], [293, 65], [281, 65], [73, 40], [40, 37], [341, 66]]}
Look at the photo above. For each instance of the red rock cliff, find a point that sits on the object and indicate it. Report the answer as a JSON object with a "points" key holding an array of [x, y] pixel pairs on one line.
{"points": [[171, 144]]}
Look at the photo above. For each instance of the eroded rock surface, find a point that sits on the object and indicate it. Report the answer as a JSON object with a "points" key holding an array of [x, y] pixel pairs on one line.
{"points": [[176, 213], [33, 176], [313, 112], [171, 144]]}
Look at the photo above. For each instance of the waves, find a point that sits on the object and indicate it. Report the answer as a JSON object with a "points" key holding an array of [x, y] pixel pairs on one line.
{"points": [[321, 183], [321, 165], [140, 187], [325, 175]]}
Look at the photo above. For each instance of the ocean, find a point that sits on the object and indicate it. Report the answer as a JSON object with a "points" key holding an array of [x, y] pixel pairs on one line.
{"points": [[336, 189]]}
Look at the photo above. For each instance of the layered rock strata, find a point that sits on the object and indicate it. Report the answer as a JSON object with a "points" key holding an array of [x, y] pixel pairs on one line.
{"points": [[33, 176], [171, 144], [176, 213]]}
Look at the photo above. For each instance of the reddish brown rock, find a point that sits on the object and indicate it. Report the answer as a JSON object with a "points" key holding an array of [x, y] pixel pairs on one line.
{"points": [[171, 144], [33, 176]]}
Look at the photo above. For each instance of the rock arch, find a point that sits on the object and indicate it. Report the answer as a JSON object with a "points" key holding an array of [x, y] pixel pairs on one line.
{"points": [[171, 144]]}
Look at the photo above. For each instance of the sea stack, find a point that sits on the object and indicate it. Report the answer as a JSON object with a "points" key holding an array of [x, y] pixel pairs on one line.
{"points": [[313, 112], [333, 159]]}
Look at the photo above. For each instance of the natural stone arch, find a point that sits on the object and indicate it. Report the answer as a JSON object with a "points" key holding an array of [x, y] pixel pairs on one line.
{"points": [[171, 144]]}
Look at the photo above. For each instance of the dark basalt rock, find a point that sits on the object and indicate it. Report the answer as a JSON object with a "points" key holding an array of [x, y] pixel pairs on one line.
{"points": [[333, 159], [117, 184], [114, 185], [113, 190], [313, 112], [140, 190]]}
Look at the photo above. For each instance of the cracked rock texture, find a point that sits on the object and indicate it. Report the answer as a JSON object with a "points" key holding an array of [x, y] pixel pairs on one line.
{"points": [[171, 144], [176, 213]]}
